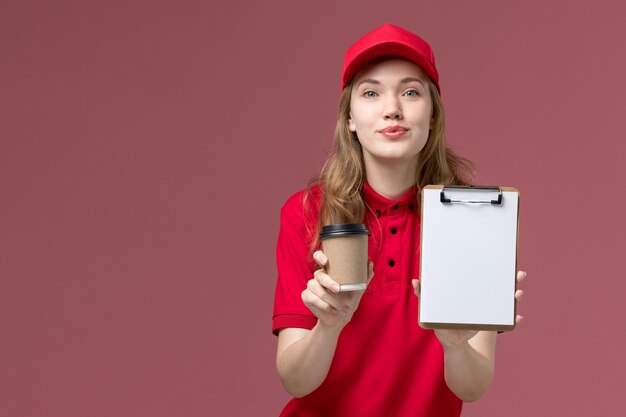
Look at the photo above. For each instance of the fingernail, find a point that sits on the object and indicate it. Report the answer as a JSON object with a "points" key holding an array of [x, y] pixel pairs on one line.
{"points": [[335, 288], [324, 259]]}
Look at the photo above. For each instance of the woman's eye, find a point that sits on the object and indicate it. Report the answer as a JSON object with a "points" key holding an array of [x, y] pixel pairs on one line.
{"points": [[412, 93], [369, 94]]}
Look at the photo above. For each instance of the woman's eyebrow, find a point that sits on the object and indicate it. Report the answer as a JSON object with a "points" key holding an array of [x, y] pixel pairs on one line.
{"points": [[367, 80], [405, 80], [410, 79]]}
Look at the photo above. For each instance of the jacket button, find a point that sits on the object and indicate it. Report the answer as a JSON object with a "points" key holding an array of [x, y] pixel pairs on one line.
{"points": [[377, 213], [394, 230], [392, 262]]}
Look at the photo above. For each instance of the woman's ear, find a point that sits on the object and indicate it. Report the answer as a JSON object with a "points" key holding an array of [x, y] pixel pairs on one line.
{"points": [[351, 124]]}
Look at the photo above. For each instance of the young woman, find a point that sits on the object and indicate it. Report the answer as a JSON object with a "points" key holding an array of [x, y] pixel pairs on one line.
{"points": [[363, 353]]}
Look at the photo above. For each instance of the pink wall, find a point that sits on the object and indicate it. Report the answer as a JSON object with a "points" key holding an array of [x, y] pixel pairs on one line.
{"points": [[146, 148]]}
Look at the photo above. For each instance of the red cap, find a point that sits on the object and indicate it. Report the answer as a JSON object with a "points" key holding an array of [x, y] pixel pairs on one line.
{"points": [[389, 40]]}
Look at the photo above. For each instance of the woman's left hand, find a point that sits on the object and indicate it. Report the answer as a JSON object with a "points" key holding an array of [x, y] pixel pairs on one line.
{"points": [[456, 338]]}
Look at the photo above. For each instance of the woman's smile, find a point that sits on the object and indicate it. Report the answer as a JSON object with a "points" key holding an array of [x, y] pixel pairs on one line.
{"points": [[393, 132]]}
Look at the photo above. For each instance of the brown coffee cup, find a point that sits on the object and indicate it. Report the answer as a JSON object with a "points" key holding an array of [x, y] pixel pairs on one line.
{"points": [[345, 246]]}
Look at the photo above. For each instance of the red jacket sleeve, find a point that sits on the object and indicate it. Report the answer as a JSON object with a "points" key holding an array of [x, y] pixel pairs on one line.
{"points": [[294, 269]]}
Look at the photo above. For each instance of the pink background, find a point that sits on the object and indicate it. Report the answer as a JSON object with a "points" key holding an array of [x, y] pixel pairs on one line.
{"points": [[146, 148]]}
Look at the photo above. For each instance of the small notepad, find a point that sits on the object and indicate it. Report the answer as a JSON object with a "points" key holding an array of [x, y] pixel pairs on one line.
{"points": [[468, 255]]}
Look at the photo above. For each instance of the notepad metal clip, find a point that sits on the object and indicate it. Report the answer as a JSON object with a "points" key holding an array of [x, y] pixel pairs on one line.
{"points": [[443, 198]]}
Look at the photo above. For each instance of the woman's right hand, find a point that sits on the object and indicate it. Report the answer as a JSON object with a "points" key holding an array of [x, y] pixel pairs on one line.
{"points": [[332, 308]]}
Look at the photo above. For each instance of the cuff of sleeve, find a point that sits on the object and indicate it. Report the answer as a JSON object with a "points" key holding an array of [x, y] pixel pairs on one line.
{"points": [[300, 321]]}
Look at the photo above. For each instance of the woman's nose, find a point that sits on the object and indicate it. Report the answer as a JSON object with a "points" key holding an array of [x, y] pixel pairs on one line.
{"points": [[393, 109]]}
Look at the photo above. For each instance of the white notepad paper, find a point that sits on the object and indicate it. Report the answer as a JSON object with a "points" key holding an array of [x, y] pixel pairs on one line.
{"points": [[468, 258]]}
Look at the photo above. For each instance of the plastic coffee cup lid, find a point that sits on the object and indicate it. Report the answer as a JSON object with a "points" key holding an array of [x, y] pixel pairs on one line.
{"points": [[334, 230]]}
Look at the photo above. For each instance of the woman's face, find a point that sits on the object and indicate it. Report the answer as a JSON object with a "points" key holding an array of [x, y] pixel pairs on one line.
{"points": [[390, 110]]}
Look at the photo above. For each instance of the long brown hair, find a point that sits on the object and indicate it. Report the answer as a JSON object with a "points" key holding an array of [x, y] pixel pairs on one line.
{"points": [[342, 176]]}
